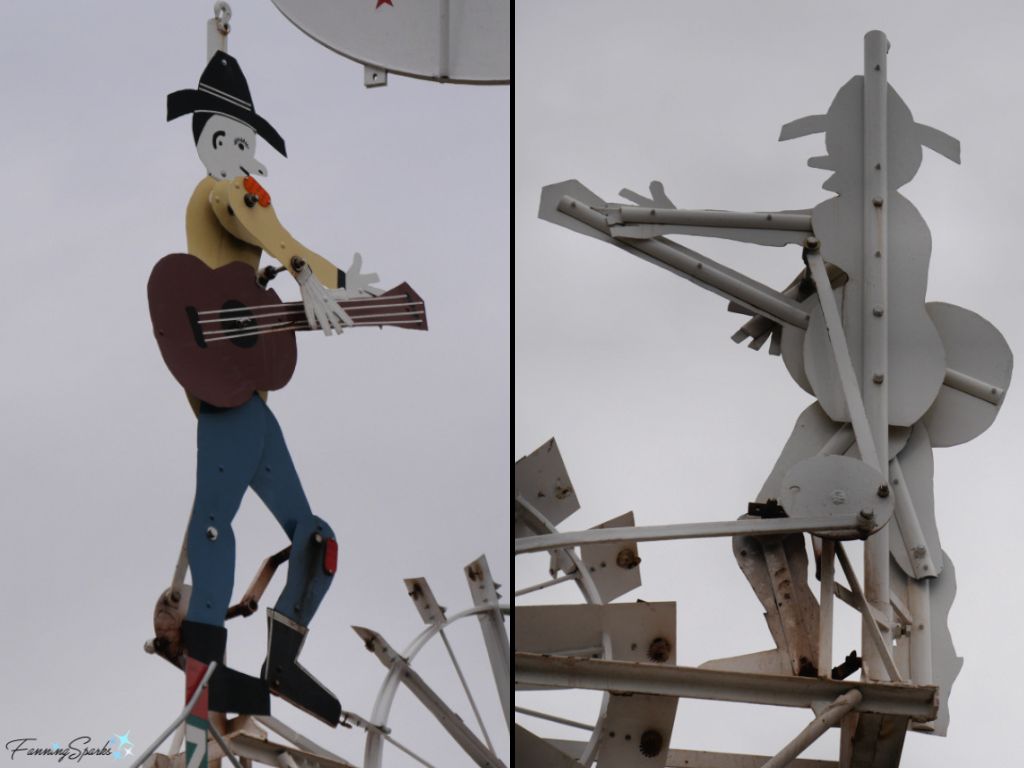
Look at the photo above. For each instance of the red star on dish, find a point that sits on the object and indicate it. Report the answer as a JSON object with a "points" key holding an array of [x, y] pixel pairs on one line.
{"points": [[384, 2]]}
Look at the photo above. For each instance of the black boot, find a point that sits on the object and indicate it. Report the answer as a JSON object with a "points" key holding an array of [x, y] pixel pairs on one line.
{"points": [[230, 690], [286, 677]]}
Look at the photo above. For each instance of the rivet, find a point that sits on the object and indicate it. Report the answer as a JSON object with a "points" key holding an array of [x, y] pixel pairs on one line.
{"points": [[878, 166], [211, 533], [883, 491], [878, 311], [877, 202], [878, 378]]}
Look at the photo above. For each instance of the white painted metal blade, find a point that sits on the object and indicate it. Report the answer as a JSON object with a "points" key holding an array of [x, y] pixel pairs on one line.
{"points": [[423, 597], [916, 364], [637, 729], [614, 567], [812, 430], [975, 348], [459, 41], [823, 485], [541, 479]]}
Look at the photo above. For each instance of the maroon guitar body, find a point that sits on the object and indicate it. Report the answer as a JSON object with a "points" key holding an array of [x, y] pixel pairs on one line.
{"points": [[223, 336]]}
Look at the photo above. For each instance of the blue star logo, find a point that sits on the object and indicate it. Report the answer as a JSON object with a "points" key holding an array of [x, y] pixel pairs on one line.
{"points": [[123, 746]]}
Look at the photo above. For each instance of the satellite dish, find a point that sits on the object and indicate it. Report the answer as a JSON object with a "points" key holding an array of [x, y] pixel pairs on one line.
{"points": [[451, 41]]}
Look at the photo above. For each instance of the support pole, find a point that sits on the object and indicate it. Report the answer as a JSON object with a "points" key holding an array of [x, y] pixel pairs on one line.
{"points": [[827, 719], [875, 327], [828, 580]]}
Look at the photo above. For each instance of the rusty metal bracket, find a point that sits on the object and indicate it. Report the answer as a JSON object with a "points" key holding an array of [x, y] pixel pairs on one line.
{"points": [[250, 600]]}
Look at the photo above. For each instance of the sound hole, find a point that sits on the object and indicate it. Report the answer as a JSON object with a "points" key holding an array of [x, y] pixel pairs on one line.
{"points": [[235, 321]]}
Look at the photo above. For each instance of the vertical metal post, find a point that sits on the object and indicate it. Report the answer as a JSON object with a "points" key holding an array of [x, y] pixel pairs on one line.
{"points": [[919, 603], [828, 580], [874, 325]]}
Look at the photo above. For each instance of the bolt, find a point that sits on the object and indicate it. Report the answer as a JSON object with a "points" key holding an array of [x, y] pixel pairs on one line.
{"points": [[878, 378], [251, 200], [627, 558], [919, 552], [878, 166], [883, 491], [878, 254], [651, 743], [175, 596], [211, 533], [297, 263], [878, 311], [318, 538], [877, 202], [811, 243], [867, 514], [659, 650]]}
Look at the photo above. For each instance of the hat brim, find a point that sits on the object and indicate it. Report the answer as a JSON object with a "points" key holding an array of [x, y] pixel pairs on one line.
{"points": [[190, 100]]}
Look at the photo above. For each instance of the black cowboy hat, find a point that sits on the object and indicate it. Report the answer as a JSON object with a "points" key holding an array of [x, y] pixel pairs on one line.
{"points": [[223, 90]]}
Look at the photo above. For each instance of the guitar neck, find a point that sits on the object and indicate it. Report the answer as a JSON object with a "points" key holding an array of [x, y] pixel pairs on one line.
{"points": [[401, 307]]}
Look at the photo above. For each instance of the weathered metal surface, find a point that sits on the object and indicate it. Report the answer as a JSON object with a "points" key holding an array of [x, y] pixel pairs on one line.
{"points": [[637, 731], [532, 750], [919, 702], [872, 740], [633, 629], [614, 566], [776, 568], [541, 479], [431, 611]]}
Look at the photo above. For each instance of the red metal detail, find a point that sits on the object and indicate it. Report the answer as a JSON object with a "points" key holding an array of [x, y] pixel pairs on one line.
{"points": [[331, 556], [194, 671], [253, 187]]}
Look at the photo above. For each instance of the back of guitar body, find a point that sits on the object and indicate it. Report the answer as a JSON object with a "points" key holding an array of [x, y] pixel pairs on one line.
{"points": [[202, 320]]}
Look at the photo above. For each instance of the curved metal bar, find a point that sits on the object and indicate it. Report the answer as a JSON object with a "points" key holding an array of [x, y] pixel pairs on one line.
{"points": [[593, 597], [180, 718]]}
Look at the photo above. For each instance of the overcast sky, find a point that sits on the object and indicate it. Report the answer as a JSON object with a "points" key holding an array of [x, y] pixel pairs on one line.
{"points": [[399, 437], [631, 368]]}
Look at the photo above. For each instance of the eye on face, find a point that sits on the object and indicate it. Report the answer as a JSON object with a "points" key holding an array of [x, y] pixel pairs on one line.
{"points": [[228, 149]]}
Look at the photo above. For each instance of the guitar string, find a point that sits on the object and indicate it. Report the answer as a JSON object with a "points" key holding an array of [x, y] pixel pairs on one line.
{"points": [[301, 327], [298, 304], [364, 320], [295, 310]]}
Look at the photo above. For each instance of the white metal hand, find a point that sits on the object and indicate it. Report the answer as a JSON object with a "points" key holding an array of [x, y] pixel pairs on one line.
{"points": [[356, 283], [322, 310]]}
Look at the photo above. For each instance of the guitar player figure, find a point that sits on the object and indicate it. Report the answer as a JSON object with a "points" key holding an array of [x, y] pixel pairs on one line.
{"points": [[229, 222]]}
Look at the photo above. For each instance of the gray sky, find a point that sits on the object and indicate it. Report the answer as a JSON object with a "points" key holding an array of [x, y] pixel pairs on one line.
{"points": [[631, 368], [399, 438]]}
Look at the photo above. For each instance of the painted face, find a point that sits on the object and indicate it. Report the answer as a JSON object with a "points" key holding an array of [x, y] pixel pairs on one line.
{"points": [[228, 149]]}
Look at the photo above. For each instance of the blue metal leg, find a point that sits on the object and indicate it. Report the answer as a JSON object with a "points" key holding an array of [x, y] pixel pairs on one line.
{"points": [[277, 484], [230, 443]]}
